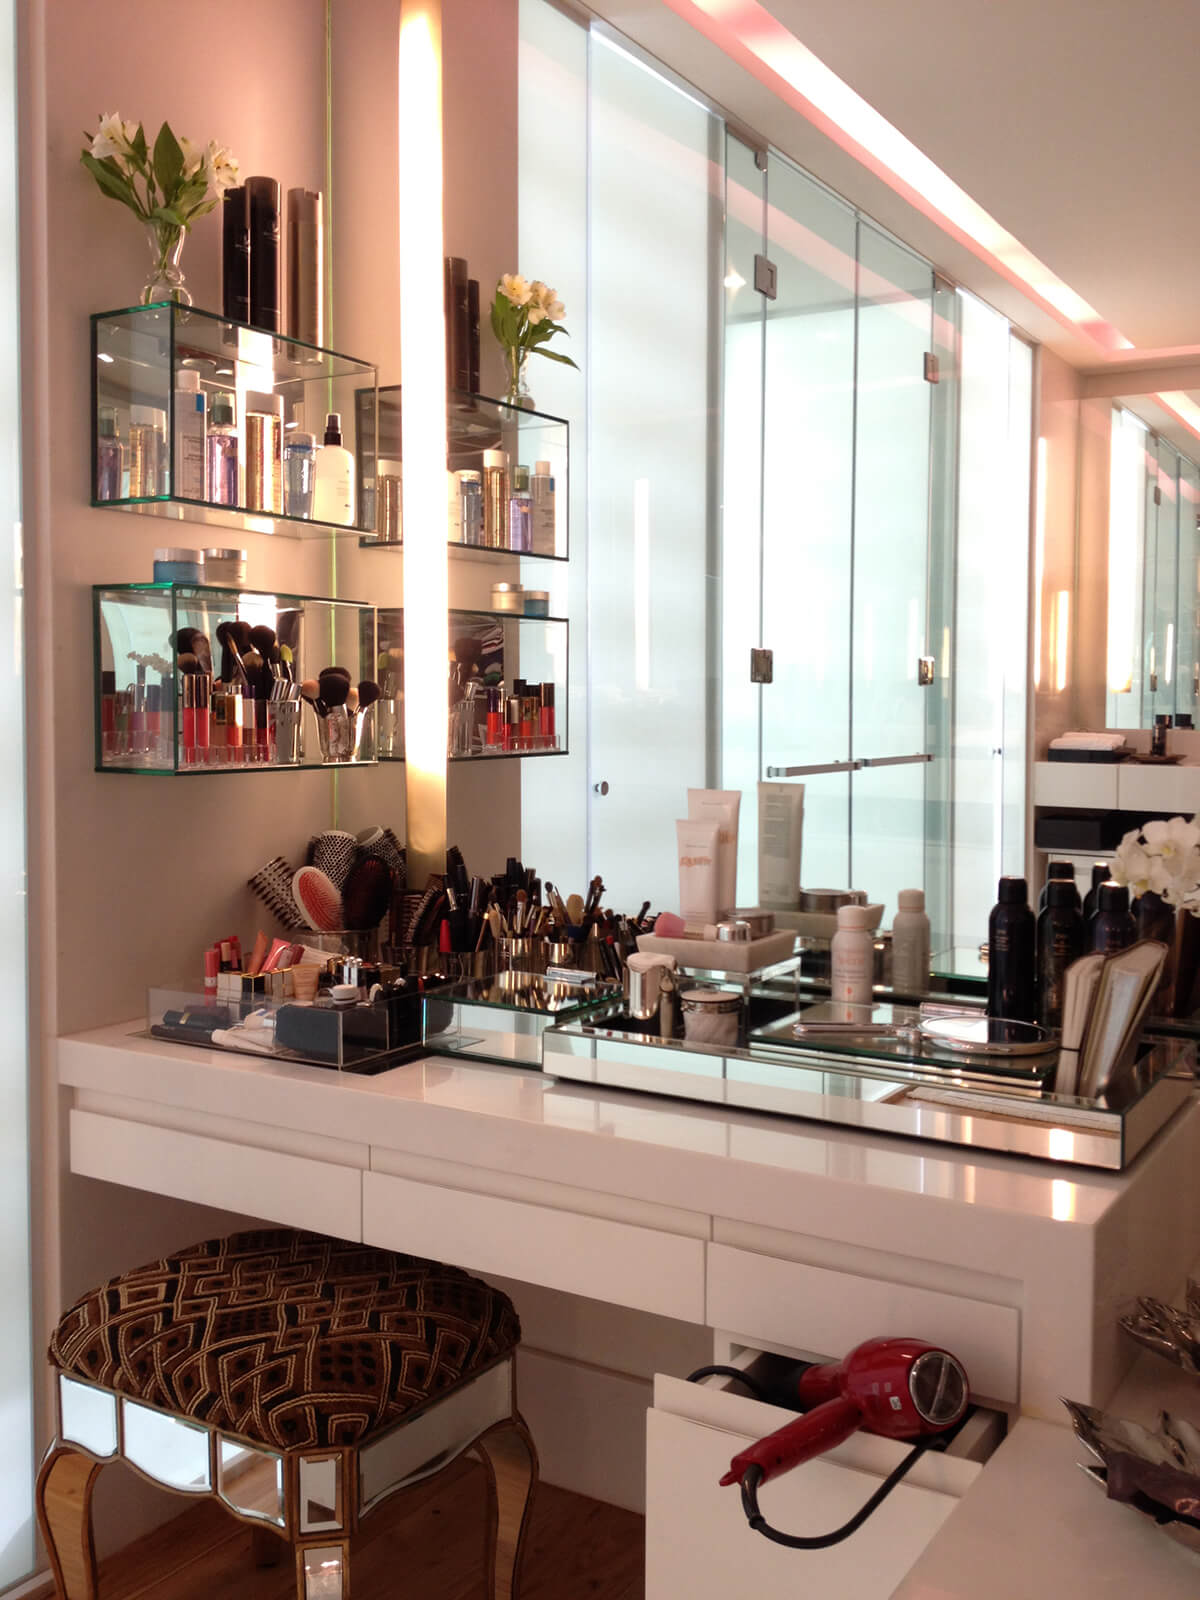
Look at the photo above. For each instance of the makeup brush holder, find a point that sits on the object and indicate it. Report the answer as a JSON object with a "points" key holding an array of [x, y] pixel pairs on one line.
{"points": [[336, 735], [389, 733], [523, 955], [582, 955], [283, 732], [363, 727]]}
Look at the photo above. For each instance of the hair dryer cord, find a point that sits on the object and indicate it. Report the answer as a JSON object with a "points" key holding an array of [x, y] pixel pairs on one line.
{"points": [[823, 1541]]}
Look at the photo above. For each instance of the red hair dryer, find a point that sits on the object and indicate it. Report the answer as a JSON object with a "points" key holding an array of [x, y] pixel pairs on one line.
{"points": [[900, 1388]]}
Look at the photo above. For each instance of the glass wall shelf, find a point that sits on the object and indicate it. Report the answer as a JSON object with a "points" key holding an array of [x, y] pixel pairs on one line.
{"points": [[473, 424], [146, 460], [508, 685], [184, 684]]}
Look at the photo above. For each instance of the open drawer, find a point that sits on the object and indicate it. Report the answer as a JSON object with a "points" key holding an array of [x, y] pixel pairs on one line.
{"points": [[698, 1543]]}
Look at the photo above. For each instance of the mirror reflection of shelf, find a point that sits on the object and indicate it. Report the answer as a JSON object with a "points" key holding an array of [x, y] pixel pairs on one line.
{"points": [[474, 424], [138, 358], [488, 650]]}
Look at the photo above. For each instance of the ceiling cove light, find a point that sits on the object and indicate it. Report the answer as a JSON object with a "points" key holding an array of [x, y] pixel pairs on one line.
{"points": [[748, 33]]}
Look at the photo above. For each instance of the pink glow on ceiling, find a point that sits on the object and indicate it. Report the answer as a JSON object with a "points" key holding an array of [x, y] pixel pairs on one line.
{"points": [[746, 32], [1182, 407]]}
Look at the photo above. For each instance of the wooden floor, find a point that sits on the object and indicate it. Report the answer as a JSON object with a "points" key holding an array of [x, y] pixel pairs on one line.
{"points": [[426, 1545]]}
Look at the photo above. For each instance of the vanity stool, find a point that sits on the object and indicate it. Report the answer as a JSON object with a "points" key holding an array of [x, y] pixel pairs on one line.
{"points": [[299, 1380]]}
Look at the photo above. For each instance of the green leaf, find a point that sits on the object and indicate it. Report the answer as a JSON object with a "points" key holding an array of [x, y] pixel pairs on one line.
{"points": [[139, 145], [111, 183], [167, 214], [168, 160], [556, 355]]}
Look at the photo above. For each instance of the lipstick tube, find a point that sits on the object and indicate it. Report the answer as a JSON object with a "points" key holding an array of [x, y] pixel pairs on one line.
{"points": [[232, 696], [512, 723], [194, 689], [495, 734], [212, 966], [546, 716], [529, 717]]}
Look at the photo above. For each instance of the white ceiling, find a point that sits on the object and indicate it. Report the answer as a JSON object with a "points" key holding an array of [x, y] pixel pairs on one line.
{"points": [[1070, 121]]}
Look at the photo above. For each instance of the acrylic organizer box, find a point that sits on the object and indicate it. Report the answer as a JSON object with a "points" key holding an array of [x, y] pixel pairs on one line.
{"points": [[502, 1019], [192, 678], [263, 1021], [749, 957]]}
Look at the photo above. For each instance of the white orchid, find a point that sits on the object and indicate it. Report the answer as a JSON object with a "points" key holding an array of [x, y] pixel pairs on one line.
{"points": [[525, 315], [221, 168], [113, 137], [1162, 858], [514, 287]]}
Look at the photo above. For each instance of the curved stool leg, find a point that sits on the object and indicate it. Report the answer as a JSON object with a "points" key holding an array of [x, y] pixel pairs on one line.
{"points": [[511, 1463], [64, 1509]]}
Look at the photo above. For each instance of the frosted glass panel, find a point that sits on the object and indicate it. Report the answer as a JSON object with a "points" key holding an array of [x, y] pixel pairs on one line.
{"points": [[1128, 558], [808, 487], [655, 214], [16, 1422], [1187, 647], [891, 546]]}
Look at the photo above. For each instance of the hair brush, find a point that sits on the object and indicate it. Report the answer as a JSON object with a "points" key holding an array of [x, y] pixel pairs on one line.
{"points": [[367, 893], [318, 899], [273, 886]]}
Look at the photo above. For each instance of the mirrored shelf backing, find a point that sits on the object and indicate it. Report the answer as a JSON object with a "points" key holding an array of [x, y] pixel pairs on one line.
{"points": [[150, 458]]}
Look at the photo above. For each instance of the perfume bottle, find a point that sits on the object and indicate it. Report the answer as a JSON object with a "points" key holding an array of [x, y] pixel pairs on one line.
{"points": [[222, 449], [520, 513]]}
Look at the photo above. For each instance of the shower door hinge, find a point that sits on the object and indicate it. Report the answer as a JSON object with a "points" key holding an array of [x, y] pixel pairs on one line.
{"points": [[766, 276], [762, 666], [1158, 494], [931, 367], [1154, 683], [926, 668]]}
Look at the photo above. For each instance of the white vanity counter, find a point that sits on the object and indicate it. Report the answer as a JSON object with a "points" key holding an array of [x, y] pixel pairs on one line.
{"points": [[776, 1234]]}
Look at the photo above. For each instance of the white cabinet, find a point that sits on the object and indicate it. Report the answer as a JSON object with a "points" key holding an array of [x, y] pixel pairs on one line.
{"points": [[699, 1545]]}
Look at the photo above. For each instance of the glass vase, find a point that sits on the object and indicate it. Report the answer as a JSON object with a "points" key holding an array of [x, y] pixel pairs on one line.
{"points": [[165, 281], [517, 393]]}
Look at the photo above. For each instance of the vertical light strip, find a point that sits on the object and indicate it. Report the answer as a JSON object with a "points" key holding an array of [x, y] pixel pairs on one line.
{"points": [[423, 433], [1125, 487], [641, 583], [1039, 562]]}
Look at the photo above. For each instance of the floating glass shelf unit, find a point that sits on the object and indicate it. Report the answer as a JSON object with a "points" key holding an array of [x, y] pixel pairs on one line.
{"points": [[137, 357], [474, 424], [487, 649], [159, 711]]}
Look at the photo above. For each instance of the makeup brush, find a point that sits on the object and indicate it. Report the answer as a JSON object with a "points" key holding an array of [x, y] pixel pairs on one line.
{"points": [[231, 655], [202, 650], [368, 693], [264, 641], [352, 700], [334, 689]]}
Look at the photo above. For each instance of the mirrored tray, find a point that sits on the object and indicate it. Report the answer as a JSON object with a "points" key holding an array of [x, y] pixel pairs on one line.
{"points": [[1002, 1106]]}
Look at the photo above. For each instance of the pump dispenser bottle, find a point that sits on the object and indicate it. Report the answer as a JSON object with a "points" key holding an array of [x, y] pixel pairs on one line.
{"points": [[333, 485]]}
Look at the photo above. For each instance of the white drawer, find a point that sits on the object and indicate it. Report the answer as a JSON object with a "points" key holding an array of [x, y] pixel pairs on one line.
{"points": [[271, 1184], [699, 1545], [1088, 785], [615, 1261], [1159, 789], [816, 1309]]}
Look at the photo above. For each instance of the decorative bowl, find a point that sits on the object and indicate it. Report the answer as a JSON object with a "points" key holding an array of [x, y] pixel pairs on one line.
{"points": [[1167, 1330], [1157, 1473]]}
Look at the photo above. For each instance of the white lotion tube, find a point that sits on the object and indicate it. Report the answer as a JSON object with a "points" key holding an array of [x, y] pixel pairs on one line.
{"points": [[698, 848], [780, 834], [720, 806]]}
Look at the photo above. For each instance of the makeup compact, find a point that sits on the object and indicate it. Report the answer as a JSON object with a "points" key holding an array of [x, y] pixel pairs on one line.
{"points": [[508, 597], [537, 603]]}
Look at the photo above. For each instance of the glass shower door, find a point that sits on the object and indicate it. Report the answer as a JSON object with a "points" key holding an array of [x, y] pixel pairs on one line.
{"points": [[889, 699], [1162, 540], [1187, 636]]}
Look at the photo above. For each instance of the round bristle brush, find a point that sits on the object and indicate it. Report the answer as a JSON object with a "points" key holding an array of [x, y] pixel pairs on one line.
{"points": [[367, 893]]}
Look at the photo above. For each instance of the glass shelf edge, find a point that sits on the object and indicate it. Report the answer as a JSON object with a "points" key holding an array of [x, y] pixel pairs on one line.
{"points": [[206, 514], [132, 586], [455, 548], [231, 322]]}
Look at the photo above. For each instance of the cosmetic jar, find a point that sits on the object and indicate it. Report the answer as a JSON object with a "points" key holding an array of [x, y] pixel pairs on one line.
{"points": [[175, 565], [537, 603], [829, 901], [389, 481], [225, 566], [508, 597], [733, 932], [710, 1016], [344, 995]]}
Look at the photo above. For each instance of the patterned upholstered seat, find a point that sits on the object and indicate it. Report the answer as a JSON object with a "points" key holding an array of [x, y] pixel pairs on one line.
{"points": [[286, 1338]]}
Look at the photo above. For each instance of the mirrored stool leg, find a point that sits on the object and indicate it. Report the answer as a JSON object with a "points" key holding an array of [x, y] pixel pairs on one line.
{"points": [[509, 1457], [64, 1506], [267, 1547], [323, 1570]]}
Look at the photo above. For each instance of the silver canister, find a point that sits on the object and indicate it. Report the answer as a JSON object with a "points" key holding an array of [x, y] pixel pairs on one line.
{"points": [[388, 714], [647, 978], [389, 483], [283, 724], [523, 955]]}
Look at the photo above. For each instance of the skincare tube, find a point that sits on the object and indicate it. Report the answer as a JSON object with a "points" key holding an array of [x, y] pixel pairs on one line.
{"points": [[720, 806], [698, 848], [780, 831]]}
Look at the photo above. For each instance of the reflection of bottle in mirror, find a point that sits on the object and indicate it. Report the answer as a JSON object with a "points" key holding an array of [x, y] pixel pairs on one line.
{"points": [[1113, 927], [910, 943], [1100, 874], [1056, 871], [1011, 953], [520, 513], [222, 451], [110, 456], [541, 488], [1059, 943], [1158, 739]]}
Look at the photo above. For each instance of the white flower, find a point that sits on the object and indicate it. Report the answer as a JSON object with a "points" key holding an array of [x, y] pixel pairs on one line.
{"points": [[513, 287], [110, 138], [1134, 865], [221, 167], [193, 157], [1177, 841], [129, 129], [556, 311], [536, 315]]}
